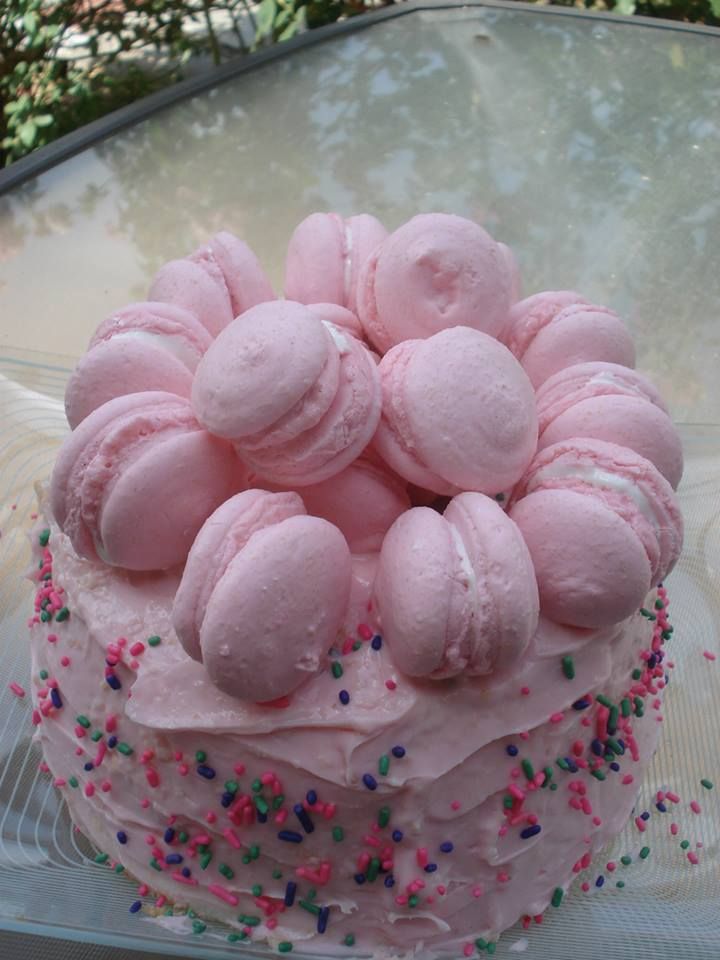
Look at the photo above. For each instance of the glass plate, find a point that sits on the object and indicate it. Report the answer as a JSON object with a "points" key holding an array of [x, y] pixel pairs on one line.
{"points": [[667, 907]]}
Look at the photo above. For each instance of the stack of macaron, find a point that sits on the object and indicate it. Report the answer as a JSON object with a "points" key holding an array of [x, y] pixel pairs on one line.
{"points": [[263, 442]]}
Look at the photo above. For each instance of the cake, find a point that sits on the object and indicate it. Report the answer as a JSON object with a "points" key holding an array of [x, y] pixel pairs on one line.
{"points": [[350, 611]]}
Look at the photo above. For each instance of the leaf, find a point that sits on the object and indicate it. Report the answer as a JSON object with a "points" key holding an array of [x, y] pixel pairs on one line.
{"points": [[626, 7], [31, 22], [266, 17], [290, 30], [44, 120], [12, 107], [28, 133], [715, 7]]}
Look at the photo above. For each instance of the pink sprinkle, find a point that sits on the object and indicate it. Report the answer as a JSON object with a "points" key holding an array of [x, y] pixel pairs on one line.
{"points": [[364, 631], [144, 803], [672, 797], [503, 877], [391, 684], [110, 723], [515, 791], [188, 881], [525, 691], [152, 777], [628, 778], [106, 786], [692, 857], [143, 890], [503, 830], [65, 661], [401, 899], [441, 889], [455, 804], [122, 641], [267, 778], [80, 732], [421, 857], [585, 886], [17, 689], [52, 638], [597, 821], [137, 648], [477, 891], [36, 718], [60, 782], [524, 735], [183, 769], [239, 769], [578, 748], [149, 839], [222, 893], [556, 718], [468, 950], [674, 829], [709, 655], [640, 824], [611, 866], [281, 816], [271, 923], [100, 755], [231, 837], [89, 789], [695, 806]]}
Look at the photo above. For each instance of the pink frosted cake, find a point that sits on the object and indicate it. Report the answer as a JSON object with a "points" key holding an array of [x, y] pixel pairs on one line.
{"points": [[349, 623]]}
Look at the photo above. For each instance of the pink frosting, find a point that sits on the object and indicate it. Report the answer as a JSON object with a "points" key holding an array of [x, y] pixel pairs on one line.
{"points": [[435, 272]]}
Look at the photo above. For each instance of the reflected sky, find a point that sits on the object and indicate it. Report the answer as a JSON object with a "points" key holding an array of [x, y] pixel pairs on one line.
{"points": [[592, 149]]}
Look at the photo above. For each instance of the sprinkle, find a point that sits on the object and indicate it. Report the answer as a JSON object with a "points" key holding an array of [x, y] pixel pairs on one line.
{"points": [[383, 765], [17, 689], [568, 668], [446, 847], [222, 893], [304, 818], [695, 806], [153, 641], [313, 907], [62, 614], [113, 681], [338, 834], [56, 698], [528, 769], [598, 774], [135, 907], [102, 858], [344, 697], [708, 654], [349, 940], [644, 853], [322, 920], [582, 704], [122, 837], [336, 668], [205, 771], [369, 781], [290, 836], [397, 835], [232, 838], [600, 881], [376, 642], [529, 832], [511, 750], [383, 816], [398, 751], [364, 631], [285, 946], [43, 537], [708, 784], [557, 896]]}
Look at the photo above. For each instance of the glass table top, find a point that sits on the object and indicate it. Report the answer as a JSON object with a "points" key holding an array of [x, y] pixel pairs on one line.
{"points": [[591, 148]]}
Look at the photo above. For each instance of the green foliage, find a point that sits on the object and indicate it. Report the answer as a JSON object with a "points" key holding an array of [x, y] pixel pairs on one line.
{"points": [[64, 63]]}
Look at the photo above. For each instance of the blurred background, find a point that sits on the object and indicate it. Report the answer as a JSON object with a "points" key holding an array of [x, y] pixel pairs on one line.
{"points": [[64, 63]]}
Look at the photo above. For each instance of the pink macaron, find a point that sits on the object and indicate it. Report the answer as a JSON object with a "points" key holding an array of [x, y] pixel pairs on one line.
{"points": [[339, 317], [143, 346], [557, 329], [215, 283], [609, 402], [136, 480], [362, 501], [299, 397], [263, 595], [325, 255], [602, 525], [435, 272], [458, 413], [456, 593]]}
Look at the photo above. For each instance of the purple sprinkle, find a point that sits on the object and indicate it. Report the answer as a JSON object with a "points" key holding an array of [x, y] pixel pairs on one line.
{"points": [[113, 681], [290, 836], [304, 818], [359, 878], [311, 797], [112, 742], [615, 766], [397, 835], [376, 642], [597, 748], [226, 799], [169, 835], [446, 847], [290, 889], [344, 697], [531, 831], [600, 881], [430, 867], [661, 807], [322, 919], [136, 906], [89, 766], [398, 751], [185, 871], [389, 881], [122, 836], [56, 698], [174, 858], [369, 781], [582, 704], [205, 771], [511, 750], [645, 815]]}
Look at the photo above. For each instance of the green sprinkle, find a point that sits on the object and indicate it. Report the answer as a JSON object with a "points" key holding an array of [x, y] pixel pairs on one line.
{"points": [[553, 787], [232, 786], [598, 774], [168, 912], [349, 940], [256, 786], [256, 890], [413, 900], [708, 784], [311, 894], [234, 937], [44, 537], [45, 616], [73, 781], [383, 816], [625, 707], [284, 946], [183, 838], [337, 670], [383, 765], [226, 871], [620, 884], [277, 874], [155, 865], [659, 605], [47, 576], [102, 858], [481, 944], [278, 801], [254, 851], [507, 802], [338, 834], [83, 721], [666, 634], [96, 736], [62, 614], [568, 667], [119, 868], [527, 769], [626, 860], [205, 860], [557, 896], [613, 719], [245, 858], [124, 748], [639, 706], [614, 745], [357, 645], [684, 844], [636, 674], [645, 853], [261, 804], [200, 756], [199, 927], [601, 698], [153, 641], [249, 920], [491, 947], [44, 674], [373, 869], [562, 763], [310, 907]]}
